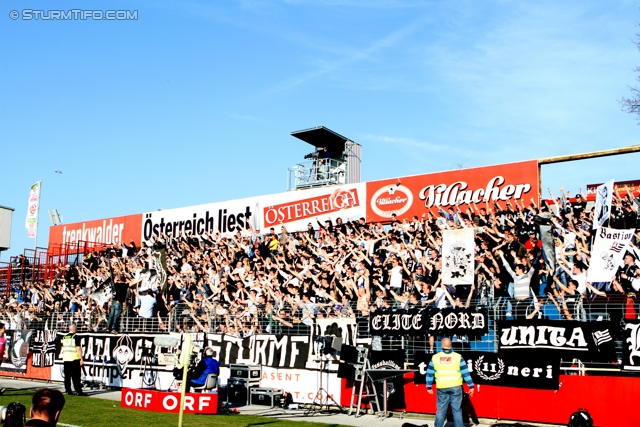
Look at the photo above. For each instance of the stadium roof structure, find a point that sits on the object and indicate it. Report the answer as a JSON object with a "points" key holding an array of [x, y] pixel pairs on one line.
{"points": [[321, 136]]}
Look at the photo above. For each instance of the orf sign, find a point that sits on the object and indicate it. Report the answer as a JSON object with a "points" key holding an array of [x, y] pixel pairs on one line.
{"points": [[149, 400], [417, 194]]}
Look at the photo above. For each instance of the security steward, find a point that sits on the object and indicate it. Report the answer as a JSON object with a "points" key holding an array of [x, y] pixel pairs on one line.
{"points": [[72, 358], [448, 368]]}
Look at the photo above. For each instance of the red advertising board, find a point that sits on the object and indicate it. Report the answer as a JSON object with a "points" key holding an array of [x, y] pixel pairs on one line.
{"points": [[107, 231], [417, 194], [311, 207], [156, 401], [619, 187]]}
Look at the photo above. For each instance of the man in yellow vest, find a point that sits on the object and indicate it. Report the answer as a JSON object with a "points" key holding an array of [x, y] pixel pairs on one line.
{"points": [[448, 368], [72, 357]]}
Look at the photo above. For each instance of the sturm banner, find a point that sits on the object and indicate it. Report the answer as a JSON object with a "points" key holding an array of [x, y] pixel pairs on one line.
{"points": [[278, 351], [587, 341], [607, 253], [18, 350], [44, 348], [458, 247]]}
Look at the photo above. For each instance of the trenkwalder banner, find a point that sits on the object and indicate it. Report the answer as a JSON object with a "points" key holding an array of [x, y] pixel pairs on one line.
{"points": [[587, 341], [418, 322], [523, 369]]}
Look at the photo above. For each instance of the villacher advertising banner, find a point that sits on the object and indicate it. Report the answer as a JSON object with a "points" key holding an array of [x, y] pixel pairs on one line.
{"points": [[417, 194], [587, 341]]}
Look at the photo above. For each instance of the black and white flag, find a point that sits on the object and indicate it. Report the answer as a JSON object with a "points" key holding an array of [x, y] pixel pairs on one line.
{"points": [[44, 348], [587, 341], [397, 322], [458, 248], [607, 253], [631, 347], [602, 209], [516, 369], [455, 321]]}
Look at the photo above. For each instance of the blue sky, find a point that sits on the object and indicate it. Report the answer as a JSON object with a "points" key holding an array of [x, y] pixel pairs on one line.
{"points": [[193, 102]]}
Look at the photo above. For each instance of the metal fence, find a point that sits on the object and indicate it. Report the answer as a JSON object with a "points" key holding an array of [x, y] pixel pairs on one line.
{"points": [[219, 319]]}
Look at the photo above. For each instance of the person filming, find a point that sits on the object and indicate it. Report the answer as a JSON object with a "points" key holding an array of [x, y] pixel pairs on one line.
{"points": [[207, 365]]}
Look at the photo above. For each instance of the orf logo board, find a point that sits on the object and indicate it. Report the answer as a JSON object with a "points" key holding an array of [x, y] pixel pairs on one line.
{"points": [[415, 195], [148, 400]]}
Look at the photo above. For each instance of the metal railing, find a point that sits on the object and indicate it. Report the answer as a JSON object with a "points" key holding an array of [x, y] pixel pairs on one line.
{"points": [[317, 173], [219, 319]]}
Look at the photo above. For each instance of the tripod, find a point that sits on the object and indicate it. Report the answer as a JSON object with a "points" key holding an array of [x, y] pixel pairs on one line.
{"points": [[148, 375], [316, 405]]}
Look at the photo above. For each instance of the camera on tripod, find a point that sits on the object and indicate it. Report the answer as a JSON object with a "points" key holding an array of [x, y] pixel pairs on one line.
{"points": [[328, 345]]}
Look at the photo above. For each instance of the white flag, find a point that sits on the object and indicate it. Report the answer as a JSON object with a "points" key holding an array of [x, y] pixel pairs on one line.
{"points": [[31, 222], [607, 253], [458, 248], [602, 210]]}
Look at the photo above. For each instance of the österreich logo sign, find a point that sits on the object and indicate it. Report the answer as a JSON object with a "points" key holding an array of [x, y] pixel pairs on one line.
{"points": [[392, 199]]}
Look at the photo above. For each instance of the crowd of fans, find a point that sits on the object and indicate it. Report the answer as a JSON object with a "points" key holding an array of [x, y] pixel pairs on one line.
{"points": [[252, 282]]}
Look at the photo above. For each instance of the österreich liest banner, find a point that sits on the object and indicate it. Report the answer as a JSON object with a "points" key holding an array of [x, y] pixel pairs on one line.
{"points": [[414, 195], [458, 248], [419, 322], [587, 341], [607, 253]]}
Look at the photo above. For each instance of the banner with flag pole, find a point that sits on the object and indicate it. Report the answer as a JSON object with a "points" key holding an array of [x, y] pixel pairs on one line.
{"points": [[33, 210]]}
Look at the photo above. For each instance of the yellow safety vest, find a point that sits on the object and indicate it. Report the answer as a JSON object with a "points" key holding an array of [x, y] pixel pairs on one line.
{"points": [[447, 367], [69, 352]]}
